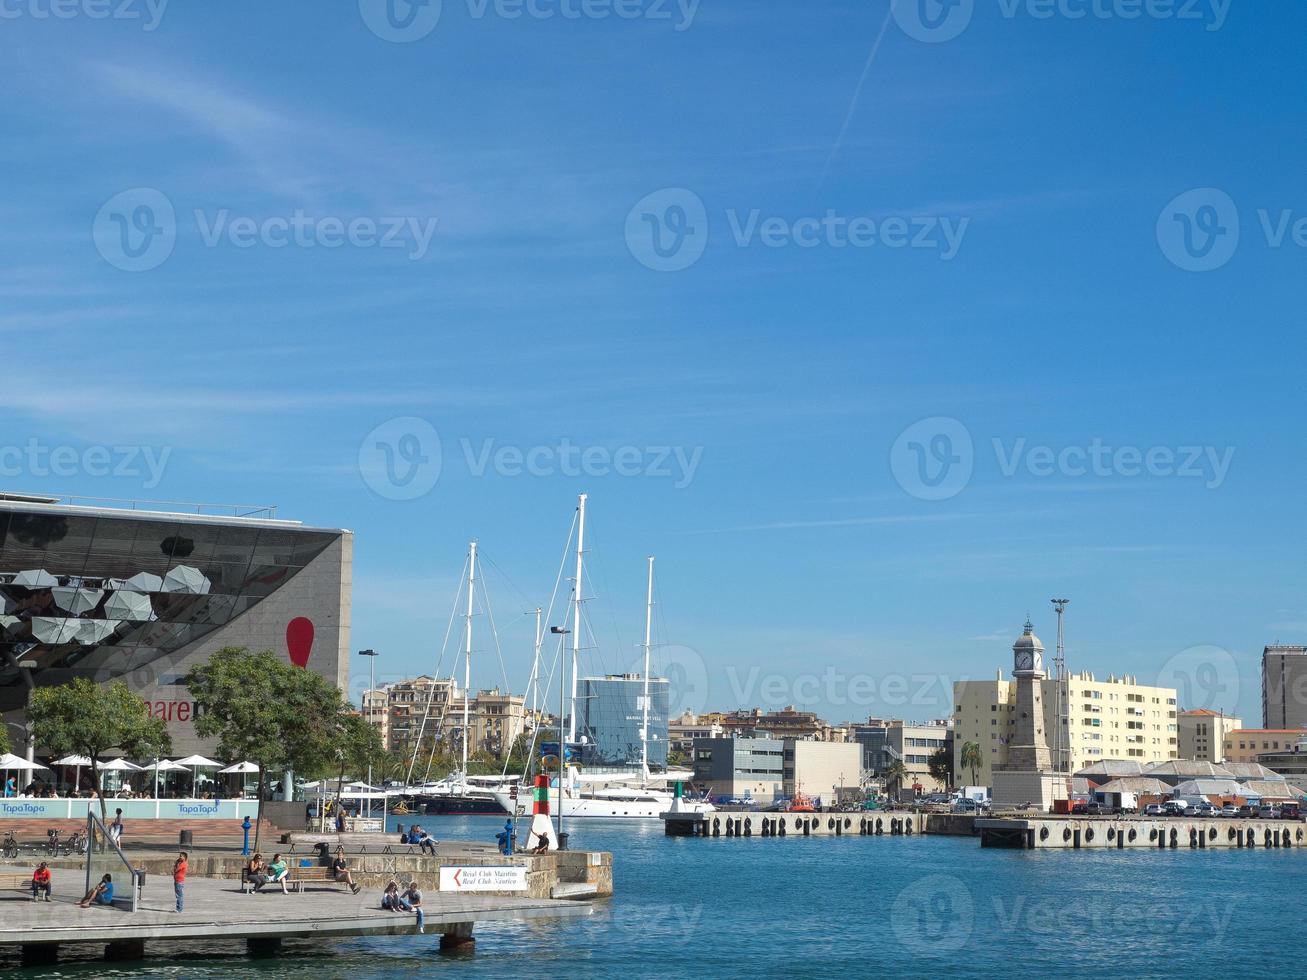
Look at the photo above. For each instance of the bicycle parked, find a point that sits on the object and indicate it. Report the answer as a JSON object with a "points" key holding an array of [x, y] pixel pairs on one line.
{"points": [[10, 845]]}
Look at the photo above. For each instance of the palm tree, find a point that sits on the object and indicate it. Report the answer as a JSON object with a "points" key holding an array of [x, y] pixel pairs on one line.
{"points": [[894, 773], [971, 759]]}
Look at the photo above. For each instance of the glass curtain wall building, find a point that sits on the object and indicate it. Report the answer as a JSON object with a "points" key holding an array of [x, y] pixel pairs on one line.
{"points": [[610, 713], [143, 596]]}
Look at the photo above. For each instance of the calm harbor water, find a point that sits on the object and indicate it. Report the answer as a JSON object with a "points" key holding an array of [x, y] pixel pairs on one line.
{"points": [[850, 906]]}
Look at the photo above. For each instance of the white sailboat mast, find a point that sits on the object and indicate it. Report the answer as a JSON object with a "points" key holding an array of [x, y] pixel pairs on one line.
{"points": [[576, 619], [648, 647], [467, 658]]}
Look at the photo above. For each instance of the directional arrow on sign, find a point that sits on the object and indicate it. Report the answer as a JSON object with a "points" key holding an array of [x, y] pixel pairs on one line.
{"points": [[457, 882]]}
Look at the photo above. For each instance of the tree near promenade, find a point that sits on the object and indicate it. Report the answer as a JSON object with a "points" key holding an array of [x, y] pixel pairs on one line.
{"points": [[971, 759], [85, 718], [265, 710], [940, 765], [893, 774], [5, 745]]}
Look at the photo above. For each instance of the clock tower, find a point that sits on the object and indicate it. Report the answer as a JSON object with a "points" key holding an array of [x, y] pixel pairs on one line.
{"points": [[1028, 751]]}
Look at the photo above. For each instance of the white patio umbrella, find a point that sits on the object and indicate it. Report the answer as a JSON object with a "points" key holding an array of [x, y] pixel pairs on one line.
{"points": [[77, 762], [186, 580], [92, 631], [35, 578], [117, 765], [53, 631], [163, 765], [197, 762], [245, 769], [131, 606], [9, 622], [241, 767], [76, 601], [9, 761], [120, 765], [144, 582]]}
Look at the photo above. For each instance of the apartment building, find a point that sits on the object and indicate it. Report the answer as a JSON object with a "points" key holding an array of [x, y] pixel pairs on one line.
{"points": [[1202, 734], [1087, 720], [1284, 686], [433, 708], [1246, 744]]}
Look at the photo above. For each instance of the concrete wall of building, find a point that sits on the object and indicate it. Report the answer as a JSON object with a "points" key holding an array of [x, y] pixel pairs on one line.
{"points": [[821, 768]]}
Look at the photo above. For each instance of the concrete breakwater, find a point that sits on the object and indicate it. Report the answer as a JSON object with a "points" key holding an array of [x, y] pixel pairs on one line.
{"points": [[877, 824], [1133, 833]]}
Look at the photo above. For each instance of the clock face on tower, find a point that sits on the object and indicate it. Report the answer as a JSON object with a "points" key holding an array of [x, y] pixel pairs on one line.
{"points": [[1025, 660]]}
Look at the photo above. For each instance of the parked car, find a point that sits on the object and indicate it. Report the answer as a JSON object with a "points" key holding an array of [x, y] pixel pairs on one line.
{"points": [[1291, 811], [1229, 810], [1247, 810], [1097, 809], [966, 806], [1205, 810], [1154, 810], [1270, 812], [1079, 809], [1173, 808]]}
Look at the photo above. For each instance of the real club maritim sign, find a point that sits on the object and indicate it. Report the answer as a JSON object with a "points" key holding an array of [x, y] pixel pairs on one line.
{"points": [[483, 878]]}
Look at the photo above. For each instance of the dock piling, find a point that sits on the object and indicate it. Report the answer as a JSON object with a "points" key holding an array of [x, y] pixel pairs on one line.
{"points": [[457, 938]]}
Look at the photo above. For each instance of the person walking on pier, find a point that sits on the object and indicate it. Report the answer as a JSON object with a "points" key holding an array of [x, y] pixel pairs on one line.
{"points": [[340, 870], [179, 879], [41, 881], [413, 898], [116, 828]]}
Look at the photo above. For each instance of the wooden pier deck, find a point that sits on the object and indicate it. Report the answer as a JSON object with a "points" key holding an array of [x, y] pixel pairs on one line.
{"points": [[216, 909]]}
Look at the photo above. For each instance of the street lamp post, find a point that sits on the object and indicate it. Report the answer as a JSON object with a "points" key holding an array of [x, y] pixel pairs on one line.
{"points": [[372, 683]]}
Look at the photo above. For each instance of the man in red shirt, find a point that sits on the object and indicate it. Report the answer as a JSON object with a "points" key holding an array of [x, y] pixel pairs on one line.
{"points": [[179, 878], [41, 882]]}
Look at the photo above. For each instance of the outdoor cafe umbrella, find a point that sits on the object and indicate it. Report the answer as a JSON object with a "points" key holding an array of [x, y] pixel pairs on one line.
{"points": [[76, 601], [132, 606], [92, 631], [186, 580], [53, 630], [143, 582], [117, 765], [197, 762], [10, 761], [163, 765], [35, 578], [244, 768], [76, 761]]}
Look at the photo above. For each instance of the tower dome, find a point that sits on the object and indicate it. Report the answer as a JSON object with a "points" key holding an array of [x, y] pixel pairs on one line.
{"points": [[1028, 640]]}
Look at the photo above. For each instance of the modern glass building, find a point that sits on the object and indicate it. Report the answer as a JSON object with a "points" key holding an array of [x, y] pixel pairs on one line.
{"points": [[143, 596], [610, 713]]}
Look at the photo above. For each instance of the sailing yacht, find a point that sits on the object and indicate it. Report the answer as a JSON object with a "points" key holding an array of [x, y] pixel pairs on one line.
{"points": [[634, 795]]}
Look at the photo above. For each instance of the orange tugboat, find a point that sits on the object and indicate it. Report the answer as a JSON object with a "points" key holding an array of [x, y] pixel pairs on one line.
{"points": [[800, 804]]}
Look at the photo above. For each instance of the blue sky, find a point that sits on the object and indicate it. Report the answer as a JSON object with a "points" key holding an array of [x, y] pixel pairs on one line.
{"points": [[904, 286]]}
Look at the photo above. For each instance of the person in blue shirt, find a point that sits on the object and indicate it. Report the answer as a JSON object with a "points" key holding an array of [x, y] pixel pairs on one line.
{"points": [[11, 786], [101, 894]]}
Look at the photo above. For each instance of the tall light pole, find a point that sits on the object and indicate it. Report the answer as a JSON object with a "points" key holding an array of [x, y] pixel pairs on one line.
{"points": [[372, 684], [1059, 669]]}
